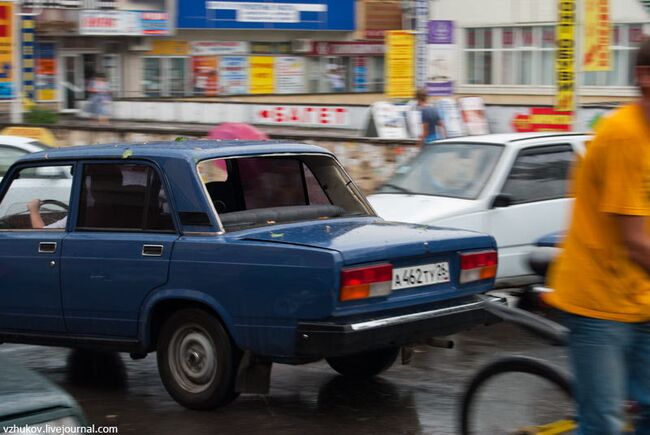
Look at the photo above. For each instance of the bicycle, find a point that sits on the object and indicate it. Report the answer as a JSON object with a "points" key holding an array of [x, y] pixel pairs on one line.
{"points": [[550, 410]]}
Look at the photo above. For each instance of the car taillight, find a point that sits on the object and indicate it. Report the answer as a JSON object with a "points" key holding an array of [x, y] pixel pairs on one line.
{"points": [[475, 266], [366, 282]]}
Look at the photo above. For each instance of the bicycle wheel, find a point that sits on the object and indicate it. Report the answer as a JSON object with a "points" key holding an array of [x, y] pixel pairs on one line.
{"points": [[518, 395]]}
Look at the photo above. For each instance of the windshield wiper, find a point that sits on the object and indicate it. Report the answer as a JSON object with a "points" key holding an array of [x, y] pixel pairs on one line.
{"points": [[396, 187]]}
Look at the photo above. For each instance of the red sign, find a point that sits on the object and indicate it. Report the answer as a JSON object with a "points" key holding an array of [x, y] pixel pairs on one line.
{"points": [[542, 119], [302, 115]]}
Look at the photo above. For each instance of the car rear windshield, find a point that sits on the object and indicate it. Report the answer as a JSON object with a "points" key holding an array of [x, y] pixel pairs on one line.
{"points": [[457, 170], [256, 191]]}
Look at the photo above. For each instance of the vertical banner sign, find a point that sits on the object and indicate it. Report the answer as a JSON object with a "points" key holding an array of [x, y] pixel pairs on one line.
{"points": [[205, 76], [6, 49], [441, 60], [565, 56], [233, 74], [45, 72], [421, 25], [360, 74], [28, 66], [597, 36], [400, 64], [262, 75]]}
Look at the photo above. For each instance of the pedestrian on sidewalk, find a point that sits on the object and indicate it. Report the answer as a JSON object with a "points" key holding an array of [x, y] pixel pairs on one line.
{"points": [[602, 278], [99, 103], [432, 126]]}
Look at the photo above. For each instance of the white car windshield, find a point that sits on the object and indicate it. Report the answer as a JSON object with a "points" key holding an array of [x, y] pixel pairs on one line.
{"points": [[457, 170]]}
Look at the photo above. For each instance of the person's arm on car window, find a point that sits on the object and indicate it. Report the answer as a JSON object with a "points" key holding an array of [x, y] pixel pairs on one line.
{"points": [[34, 207]]}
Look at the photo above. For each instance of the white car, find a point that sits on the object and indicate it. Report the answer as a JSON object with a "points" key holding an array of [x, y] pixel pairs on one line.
{"points": [[32, 183], [512, 186]]}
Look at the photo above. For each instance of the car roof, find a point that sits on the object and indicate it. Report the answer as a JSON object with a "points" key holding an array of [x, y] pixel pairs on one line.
{"points": [[23, 392], [511, 139], [186, 150]]}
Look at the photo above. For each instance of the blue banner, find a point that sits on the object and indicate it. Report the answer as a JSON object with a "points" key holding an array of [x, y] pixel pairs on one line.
{"points": [[267, 14]]}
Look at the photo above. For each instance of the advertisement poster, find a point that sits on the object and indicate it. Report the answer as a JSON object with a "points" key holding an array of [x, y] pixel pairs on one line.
{"points": [[290, 75], [400, 64], [262, 75], [45, 71], [6, 49], [441, 59], [565, 56], [542, 119], [28, 64], [389, 120], [233, 74], [451, 117], [205, 75], [154, 23], [597, 36], [472, 110], [360, 74]]}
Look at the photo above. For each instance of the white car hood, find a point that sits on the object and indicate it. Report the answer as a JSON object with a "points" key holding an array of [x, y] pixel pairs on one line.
{"points": [[420, 209]]}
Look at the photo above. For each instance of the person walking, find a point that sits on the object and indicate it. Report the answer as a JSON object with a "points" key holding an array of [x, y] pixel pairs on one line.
{"points": [[100, 98], [602, 278], [431, 120]]}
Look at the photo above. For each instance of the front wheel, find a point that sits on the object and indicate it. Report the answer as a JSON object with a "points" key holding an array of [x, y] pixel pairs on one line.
{"points": [[366, 364], [197, 360], [518, 396]]}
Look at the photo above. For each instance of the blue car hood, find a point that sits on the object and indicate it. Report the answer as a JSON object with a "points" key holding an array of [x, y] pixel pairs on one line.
{"points": [[362, 240]]}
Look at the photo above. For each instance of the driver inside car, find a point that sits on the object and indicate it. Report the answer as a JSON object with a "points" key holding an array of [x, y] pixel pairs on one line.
{"points": [[34, 208]]}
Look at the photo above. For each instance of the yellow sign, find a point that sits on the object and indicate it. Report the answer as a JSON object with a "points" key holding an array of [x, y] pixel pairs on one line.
{"points": [[6, 49], [400, 64], [565, 56], [43, 135], [597, 36], [262, 75], [169, 48]]}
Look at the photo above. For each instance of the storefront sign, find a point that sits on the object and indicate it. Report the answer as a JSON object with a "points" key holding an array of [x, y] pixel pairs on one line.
{"points": [[472, 109], [315, 116], [169, 48], [380, 16], [360, 74], [361, 48], [218, 48], [128, 23], [400, 64], [565, 56], [441, 58], [262, 75], [319, 15], [46, 82], [205, 75], [597, 36], [290, 75], [233, 73], [542, 119], [28, 63], [6, 49]]}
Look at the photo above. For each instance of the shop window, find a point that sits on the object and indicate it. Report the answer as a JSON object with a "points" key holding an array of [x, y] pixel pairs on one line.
{"points": [[165, 76]]}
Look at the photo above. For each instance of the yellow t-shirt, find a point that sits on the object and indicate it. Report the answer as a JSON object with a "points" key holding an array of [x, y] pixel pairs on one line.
{"points": [[594, 276]]}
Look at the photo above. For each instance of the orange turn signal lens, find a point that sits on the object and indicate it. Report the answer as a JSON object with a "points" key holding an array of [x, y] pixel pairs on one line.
{"points": [[354, 292]]}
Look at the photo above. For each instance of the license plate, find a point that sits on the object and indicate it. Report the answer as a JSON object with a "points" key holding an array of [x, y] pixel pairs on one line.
{"points": [[417, 276]]}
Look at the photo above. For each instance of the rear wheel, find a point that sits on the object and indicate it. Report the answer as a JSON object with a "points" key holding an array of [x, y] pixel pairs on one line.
{"points": [[518, 396], [197, 360], [366, 364]]}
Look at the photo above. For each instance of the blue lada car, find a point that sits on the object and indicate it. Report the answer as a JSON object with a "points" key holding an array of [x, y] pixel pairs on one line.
{"points": [[225, 257]]}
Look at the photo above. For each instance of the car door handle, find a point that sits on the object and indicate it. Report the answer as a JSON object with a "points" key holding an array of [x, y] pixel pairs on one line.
{"points": [[47, 247], [152, 250]]}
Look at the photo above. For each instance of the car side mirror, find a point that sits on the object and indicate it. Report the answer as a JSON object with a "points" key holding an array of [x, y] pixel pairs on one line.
{"points": [[502, 200]]}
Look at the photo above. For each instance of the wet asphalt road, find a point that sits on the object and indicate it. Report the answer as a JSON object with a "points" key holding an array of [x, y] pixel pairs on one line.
{"points": [[420, 398]]}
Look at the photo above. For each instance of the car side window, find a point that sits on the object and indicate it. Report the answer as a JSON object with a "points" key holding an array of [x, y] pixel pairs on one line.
{"points": [[123, 197], [34, 200], [8, 155], [540, 173]]}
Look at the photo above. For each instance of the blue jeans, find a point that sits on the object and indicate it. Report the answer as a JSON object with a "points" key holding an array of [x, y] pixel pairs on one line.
{"points": [[611, 364]]}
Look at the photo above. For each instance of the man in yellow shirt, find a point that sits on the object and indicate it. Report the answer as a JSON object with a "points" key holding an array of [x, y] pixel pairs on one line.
{"points": [[602, 278]]}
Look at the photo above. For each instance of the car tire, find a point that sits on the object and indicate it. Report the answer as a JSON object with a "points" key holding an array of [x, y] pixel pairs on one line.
{"points": [[366, 364], [197, 360]]}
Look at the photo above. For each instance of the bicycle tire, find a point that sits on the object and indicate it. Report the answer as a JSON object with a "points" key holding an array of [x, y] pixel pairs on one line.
{"points": [[513, 364]]}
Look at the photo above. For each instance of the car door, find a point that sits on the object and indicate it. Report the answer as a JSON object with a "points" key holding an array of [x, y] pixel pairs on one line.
{"points": [[119, 249], [536, 203], [30, 249]]}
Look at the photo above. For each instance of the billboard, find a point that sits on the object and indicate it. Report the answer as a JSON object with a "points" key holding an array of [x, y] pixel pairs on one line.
{"points": [[6, 49], [268, 14]]}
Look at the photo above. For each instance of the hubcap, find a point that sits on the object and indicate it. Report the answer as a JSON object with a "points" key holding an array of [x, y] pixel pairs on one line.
{"points": [[192, 359]]}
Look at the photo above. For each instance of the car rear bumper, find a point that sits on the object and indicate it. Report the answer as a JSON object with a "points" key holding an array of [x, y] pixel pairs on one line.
{"points": [[326, 339]]}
